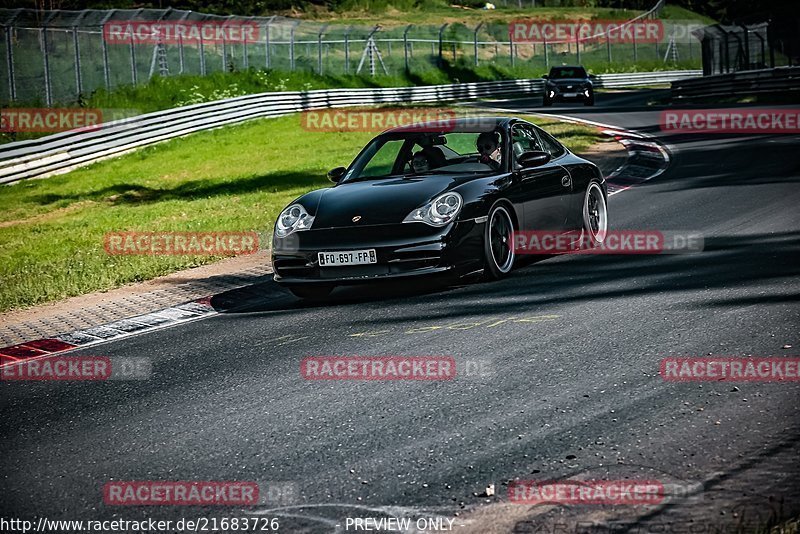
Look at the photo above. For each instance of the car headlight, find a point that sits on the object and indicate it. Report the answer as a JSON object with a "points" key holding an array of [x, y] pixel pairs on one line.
{"points": [[438, 212], [293, 219]]}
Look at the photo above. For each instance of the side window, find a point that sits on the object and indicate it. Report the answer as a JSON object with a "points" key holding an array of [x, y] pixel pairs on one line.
{"points": [[382, 162], [550, 145], [523, 139]]}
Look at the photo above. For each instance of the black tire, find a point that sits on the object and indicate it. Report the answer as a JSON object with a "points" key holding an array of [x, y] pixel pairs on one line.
{"points": [[595, 215], [311, 291], [546, 102], [589, 101], [498, 246]]}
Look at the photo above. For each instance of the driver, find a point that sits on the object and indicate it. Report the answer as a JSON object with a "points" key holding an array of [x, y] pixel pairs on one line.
{"points": [[489, 148], [419, 163]]}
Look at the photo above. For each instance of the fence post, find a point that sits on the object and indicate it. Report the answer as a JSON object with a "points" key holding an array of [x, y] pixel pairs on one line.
{"points": [[76, 47], [181, 52], [202, 50], [104, 48], [224, 55], [577, 49], [245, 59], [440, 60], [12, 85], [546, 55], [266, 42], [405, 47], [181, 58], [48, 95], [133, 60], [608, 47], [475, 42], [347, 49], [635, 55], [511, 44], [291, 48], [319, 47]]}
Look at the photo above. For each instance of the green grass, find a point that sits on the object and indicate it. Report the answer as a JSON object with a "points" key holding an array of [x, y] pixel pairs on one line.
{"points": [[394, 14], [672, 12], [231, 179], [170, 92]]}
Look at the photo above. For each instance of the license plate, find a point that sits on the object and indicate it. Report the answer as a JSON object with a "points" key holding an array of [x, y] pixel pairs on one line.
{"points": [[570, 95], [349, 257]]}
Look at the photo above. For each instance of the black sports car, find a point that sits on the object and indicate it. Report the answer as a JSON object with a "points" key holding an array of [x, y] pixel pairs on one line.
{"points": [[568, 83], [438, 198]]}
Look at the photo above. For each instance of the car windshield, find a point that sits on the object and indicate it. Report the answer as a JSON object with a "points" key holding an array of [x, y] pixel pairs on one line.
{"points": [[416, 153], [567, 72]]}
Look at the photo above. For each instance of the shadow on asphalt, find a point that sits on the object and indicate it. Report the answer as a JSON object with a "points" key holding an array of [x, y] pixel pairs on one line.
{"points": [[726, 262]]}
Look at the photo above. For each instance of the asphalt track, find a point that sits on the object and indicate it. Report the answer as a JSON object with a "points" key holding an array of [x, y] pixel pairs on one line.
{"points": [[570, 386]]}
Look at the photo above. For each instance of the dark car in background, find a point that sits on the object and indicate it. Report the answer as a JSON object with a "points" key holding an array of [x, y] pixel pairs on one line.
{"points": [[440, 199], [567, 83]]}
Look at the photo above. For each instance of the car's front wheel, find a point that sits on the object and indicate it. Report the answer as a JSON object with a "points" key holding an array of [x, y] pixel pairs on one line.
{"points": [[589, 100], [311, 291], [498, 243]]}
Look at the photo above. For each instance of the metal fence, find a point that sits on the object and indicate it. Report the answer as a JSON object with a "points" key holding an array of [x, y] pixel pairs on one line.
{"points": [[64, 151], [54, 57], [780, 81]]}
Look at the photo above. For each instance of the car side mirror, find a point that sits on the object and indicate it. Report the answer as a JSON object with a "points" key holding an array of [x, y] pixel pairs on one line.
{"points": [[533, 158], [334, 175], [545, 76]]}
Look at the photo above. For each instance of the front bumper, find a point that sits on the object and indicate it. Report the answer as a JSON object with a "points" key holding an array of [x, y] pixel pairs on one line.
{"points": [[402, 250], [564, 94]]}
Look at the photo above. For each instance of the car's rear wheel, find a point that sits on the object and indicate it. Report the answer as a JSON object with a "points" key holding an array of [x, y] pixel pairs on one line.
{"points": [[595, 215], [498, 243], [311, 291]]}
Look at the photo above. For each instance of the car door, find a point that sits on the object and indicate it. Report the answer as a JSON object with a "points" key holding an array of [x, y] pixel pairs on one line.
{"points": [[544, 189], [577, 178]]}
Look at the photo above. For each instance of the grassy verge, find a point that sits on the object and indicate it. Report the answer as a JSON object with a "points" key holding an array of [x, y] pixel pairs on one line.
{"points": [[231, 179], [431, 13]]}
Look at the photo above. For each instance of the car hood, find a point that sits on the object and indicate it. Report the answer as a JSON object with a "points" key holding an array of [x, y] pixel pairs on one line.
{"points": [[383, 201]]}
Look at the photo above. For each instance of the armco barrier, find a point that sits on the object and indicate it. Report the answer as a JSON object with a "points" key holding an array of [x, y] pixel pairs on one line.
{"points": [[743, 83], [65, 151]]}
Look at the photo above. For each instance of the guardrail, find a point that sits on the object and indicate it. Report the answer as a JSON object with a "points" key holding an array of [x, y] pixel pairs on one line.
{"points": [[62, 152], [742, 83]]}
